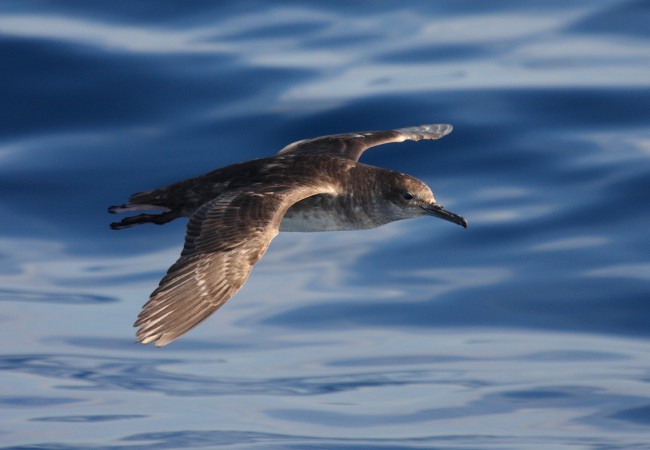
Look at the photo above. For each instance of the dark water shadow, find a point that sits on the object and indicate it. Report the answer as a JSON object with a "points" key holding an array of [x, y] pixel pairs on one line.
{"points": [[146, 375], [628, 18], [72, 298]]}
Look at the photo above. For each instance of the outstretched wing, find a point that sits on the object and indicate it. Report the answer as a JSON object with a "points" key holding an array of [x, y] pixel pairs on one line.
{"points": [[352, 145], [225, 238]]}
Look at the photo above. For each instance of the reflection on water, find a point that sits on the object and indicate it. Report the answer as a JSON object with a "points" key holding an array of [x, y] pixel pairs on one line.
{"points": [[528, 330]]}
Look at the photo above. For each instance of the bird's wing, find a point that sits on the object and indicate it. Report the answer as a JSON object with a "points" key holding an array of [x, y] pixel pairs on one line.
{"points": [[352, 145], [225, 238]]}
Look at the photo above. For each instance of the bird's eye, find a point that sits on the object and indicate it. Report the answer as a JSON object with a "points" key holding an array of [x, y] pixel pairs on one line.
{"points": [[407, 196]]}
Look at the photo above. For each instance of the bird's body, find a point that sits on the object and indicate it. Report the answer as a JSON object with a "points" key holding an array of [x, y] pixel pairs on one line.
{"points": [[235, 212]]}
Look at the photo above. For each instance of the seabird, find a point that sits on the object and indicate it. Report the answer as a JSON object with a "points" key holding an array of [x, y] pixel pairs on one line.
{"points": [[234, 213]]}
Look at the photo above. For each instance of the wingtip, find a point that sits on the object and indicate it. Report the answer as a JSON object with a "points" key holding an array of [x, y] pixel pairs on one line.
{"points": [[448, 128], [157, 340], [146, 335], [165, 339], [430, 131]]}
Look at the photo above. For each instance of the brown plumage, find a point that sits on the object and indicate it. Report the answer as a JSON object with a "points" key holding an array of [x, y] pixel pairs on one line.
{"points": [[310, 185]]}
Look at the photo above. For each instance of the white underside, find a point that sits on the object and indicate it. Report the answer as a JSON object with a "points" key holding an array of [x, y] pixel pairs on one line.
{"points": [[306, 221]]}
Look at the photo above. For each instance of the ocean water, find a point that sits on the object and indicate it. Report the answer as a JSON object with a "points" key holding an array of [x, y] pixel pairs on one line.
{"points": [[529, 330]]}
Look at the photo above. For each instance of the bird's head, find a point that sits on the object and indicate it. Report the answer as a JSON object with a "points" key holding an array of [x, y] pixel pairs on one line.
{"points": [[407, 197]]}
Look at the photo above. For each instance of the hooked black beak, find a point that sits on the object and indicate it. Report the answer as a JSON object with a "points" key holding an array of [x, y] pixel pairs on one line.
{"points": [[436, 210]]}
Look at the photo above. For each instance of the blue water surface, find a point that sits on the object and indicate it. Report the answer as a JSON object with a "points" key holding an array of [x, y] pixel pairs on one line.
{"points": [[529, 330]]}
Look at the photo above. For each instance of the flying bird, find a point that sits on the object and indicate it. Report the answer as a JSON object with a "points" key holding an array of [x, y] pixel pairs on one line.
{"points": [[234, 212]]}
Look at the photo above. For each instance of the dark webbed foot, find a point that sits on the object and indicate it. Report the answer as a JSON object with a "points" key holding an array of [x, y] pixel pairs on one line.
{"points": [[158, 219]]}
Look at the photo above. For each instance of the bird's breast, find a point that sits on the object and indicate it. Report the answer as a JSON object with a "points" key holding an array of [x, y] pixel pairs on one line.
{"points": [[328, 213]]}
